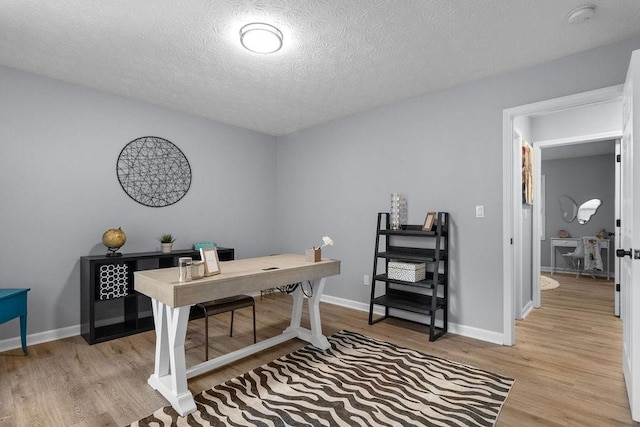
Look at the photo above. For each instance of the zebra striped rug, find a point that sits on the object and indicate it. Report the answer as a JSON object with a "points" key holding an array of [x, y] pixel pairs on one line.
{"points": [[359, 381]]}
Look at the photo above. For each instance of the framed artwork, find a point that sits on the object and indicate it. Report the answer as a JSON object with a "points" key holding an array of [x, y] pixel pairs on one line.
{"points": [[153, 171], [429, 221], [211, 262]]}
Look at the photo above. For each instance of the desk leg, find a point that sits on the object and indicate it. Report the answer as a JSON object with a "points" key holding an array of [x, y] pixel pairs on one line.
{"points": [[313, 336], [170, 374], [23, 333]]}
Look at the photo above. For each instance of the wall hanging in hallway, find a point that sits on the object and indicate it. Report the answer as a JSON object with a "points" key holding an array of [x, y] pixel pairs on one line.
{"points": [[153, 171]]}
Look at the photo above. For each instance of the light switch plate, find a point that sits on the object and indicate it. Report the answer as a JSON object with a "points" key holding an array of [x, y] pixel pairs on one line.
{"points": [[480, 211]]}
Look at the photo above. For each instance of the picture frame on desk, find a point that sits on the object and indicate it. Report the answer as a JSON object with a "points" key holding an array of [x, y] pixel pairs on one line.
{"points": [[211, 261], [429, 221]]}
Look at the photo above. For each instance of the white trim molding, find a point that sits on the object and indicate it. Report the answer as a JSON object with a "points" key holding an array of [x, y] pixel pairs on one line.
{"points": [[40, 337]]}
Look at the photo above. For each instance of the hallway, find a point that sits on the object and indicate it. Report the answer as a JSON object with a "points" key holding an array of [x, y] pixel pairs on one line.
{"points": [[572, 348]]}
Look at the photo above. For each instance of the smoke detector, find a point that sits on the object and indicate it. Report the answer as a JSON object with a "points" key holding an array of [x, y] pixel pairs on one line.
{"points": [[581, 14]]}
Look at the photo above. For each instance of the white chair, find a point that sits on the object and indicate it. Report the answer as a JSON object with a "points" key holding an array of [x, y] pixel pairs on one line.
{"points": [[576, 257]]}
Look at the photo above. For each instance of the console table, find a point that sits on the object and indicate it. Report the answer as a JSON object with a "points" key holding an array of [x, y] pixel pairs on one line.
{"points": [[571, 243], [172, 300]]}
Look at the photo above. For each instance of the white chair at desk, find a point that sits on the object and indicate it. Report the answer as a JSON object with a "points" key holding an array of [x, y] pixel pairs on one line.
{"points": [[575, 256], [588, 251], [572, 242]]}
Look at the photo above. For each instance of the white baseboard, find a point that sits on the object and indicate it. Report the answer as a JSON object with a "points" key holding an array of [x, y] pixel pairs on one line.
{"points": [[40, 337], [607, 274], [526, 310], [465, 331], [360, 306], [477, 333], [70, 331]]}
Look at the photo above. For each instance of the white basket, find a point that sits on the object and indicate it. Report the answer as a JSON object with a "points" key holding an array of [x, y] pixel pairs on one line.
{"points": [[406, 271]]}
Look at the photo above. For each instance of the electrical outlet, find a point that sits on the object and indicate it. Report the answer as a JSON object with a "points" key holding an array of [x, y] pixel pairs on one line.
{"points": [[366, 280], [480, 211]]}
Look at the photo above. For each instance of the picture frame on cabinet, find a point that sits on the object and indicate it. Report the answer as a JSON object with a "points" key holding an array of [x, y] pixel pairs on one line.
{"points": [[211, 261], [429, 221]]}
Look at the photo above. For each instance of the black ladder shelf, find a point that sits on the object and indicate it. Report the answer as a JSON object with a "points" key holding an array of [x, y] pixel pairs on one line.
{"points": [[429, 296]]}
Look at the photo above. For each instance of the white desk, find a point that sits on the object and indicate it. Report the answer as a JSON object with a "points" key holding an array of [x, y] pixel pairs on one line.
{"points": [[172, 301], [572, 242]]}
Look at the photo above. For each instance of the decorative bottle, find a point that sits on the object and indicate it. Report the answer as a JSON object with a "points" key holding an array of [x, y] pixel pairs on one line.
{"points": [[398, 212]]}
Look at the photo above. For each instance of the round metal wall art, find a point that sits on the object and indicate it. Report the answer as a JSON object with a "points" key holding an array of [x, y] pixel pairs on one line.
{"points": [[153, 171]]}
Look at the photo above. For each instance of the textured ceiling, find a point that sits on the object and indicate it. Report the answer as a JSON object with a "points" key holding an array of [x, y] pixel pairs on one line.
{"points": [[339, 57]]}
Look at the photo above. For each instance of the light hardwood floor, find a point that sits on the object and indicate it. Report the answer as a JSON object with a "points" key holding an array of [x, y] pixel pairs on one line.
{"points": [[567, 363]]}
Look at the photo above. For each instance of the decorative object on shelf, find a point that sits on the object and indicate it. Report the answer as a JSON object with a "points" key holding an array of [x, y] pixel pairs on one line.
{"points": [[563, 234], [166, 242], [113, 281], [211, 261], [153, 171], [197, 270], [206, 245], [398, 212], [114, 239], [314, 254], [429, 221], [184, 269], [406, 271]]}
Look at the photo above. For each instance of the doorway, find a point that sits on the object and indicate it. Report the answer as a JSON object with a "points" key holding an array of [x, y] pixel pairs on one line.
{"points": [[576, 172], [515, 230]]}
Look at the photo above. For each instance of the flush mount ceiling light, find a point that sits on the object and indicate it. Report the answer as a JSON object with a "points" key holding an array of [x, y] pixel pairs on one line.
{"points": [[261, 38], [581, 14]]}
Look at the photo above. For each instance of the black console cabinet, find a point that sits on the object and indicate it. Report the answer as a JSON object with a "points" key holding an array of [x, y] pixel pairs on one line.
{"points": [[110, 307]]}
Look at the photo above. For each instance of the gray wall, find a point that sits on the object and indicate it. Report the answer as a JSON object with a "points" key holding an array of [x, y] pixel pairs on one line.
{"points": [[59, 145], [581, 178], [444, 151]]}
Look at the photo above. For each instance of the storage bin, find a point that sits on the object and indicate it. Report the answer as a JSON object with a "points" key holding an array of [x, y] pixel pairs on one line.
{"points": [[406, 271]]}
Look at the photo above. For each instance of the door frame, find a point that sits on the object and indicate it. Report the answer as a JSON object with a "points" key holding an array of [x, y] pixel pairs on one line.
{"points": [[512, 187]]}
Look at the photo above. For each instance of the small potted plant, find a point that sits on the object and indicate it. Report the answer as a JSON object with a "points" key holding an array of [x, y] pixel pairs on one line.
{"points": [[166, 241]]}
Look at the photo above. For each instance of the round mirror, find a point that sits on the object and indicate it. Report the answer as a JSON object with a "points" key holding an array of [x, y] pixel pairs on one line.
{"points": [[587, 209], [568, 208]]}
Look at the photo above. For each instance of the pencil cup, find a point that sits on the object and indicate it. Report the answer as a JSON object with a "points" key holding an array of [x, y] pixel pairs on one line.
{"points": [[313, 255]]}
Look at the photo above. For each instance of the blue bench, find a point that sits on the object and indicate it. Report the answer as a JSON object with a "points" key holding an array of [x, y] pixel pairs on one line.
{"points": [[13, 303]]}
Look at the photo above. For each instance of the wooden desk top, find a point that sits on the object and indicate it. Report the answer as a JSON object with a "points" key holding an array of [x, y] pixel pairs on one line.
{"points": [[237, 277]]}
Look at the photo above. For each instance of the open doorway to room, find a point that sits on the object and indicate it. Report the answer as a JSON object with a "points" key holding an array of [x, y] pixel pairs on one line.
{"points": [[575, 177], [579, 199], [566, 121]]}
